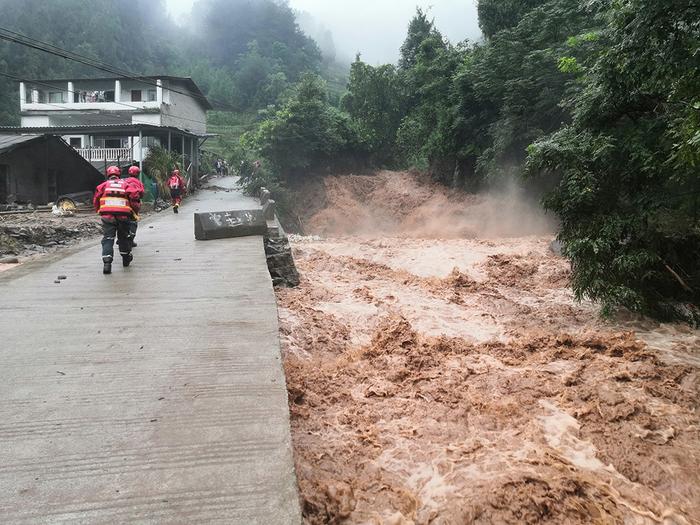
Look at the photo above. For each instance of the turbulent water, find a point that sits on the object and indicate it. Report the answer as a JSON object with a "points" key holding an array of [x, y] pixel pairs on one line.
{"points": [[439, 371]]}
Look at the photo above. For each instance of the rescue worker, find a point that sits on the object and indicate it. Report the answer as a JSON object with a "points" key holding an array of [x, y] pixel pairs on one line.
{"points": [[134, 181], [117, 202], [177, 189]]}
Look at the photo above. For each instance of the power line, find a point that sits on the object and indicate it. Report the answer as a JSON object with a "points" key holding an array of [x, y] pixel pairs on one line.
{"points": [[40, 45], [19, 38], [62, 89]]}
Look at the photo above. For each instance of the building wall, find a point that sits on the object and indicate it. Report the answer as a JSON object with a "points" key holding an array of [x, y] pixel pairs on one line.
{"points": [[170, 108], [147, 118], [43, 169], [77, 117], [73, 174], [35, 121], [89, 118], [128, 85], [182, 111], [27, 173]]}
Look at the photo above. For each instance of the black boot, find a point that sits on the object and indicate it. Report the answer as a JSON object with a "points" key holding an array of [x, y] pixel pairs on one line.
{"points": [[126, 259], [107, 268], [175, 208], [133, 244]]}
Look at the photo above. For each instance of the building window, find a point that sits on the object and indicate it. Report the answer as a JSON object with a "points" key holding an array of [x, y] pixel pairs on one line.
{"points": [[76, 142], [109, 96], [113, 143], [152, 95], [55, 97], [136, 95]]}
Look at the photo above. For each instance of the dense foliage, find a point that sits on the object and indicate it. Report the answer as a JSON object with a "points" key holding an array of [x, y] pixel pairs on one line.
{"points": [[599, 100], [307, 133], [629, 162]]}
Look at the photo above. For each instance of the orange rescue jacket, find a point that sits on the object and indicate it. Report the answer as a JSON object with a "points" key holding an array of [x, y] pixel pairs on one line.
{"points": [[115, 199]]}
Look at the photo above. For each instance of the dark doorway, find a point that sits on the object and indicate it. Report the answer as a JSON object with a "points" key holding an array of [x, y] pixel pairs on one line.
{"points": [[52, 180], [4, 183]]}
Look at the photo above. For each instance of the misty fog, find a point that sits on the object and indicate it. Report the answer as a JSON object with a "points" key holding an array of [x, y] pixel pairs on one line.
{"points": [[373, 28]]}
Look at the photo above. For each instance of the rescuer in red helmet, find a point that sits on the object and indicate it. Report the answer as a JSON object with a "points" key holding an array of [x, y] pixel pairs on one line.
{"points": [[134, 181], [177, 189], [117, 202]]}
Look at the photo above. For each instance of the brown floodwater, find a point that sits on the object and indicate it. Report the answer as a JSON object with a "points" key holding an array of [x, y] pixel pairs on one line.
{"points": [[440, 372]]}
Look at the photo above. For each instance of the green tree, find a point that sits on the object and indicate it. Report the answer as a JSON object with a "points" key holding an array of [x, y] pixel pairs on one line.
{"points": [[307, 134], [628, 197], [517, 73], [419, 29], [496, 15], [255, 42], [374, 102]]}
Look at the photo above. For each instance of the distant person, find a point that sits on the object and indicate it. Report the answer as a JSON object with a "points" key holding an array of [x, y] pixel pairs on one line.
{"points": [[217, 166], [134, 180], [177, 189], [117, 202]]}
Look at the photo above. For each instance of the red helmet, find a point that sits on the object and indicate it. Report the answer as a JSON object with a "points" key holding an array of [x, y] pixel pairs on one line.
{"points": [[175, 172], [113, 171], [134, 171]]}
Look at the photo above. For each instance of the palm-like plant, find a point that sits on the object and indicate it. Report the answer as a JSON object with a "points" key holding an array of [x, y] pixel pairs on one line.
{"points": [[159, 163]]}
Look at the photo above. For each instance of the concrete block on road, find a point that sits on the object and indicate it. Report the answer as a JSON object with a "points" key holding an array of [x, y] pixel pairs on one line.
{"points": [[226, 224], [268, 210]]}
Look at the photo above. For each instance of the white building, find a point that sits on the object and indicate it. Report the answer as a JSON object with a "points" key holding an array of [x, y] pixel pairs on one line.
{"points": [[115, 120]]}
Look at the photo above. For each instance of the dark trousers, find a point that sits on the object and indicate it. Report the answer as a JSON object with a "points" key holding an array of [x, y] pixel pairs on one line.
{"points": [[175, 195], [115, 229], [133, 226]]}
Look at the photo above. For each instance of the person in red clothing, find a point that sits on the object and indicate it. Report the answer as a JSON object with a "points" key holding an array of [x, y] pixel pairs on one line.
{"points": [[117, 202], [134, 181], [177, 189]]}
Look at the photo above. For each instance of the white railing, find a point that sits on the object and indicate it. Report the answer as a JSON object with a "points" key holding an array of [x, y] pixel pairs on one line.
{"points": [[108, 154]]}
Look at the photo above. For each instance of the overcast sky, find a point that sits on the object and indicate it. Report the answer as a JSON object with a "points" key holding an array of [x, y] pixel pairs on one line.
{"points": [[376, 28]]}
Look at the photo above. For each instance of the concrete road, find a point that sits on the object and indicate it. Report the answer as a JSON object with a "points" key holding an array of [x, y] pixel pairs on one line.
{"points": [[152, 395]]}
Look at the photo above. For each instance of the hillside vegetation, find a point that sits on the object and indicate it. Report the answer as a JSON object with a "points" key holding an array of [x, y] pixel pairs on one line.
{"points": [[598, 103], [593, 105]]}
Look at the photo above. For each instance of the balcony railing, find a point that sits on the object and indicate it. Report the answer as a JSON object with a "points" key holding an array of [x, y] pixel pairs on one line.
{"points": [[107, 154]]}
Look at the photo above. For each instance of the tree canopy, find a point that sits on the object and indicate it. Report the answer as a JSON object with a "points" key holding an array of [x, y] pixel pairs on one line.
{"points": [[598, 100]]}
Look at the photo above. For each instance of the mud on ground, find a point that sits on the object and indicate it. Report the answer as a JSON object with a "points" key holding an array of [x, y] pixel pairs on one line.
{"points": [[32, 234], [453, 379]]}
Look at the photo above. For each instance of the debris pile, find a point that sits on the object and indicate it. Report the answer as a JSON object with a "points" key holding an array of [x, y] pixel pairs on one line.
{"points": [[280, 262], [36, 233]]}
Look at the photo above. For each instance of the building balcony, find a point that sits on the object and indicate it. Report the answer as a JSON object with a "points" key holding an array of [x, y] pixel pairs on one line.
{"points": [[86, 95], [120, 106], [106, 154]]}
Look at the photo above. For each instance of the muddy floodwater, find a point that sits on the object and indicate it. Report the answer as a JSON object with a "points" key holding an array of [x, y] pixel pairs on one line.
{"points": [[440, 372]]}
